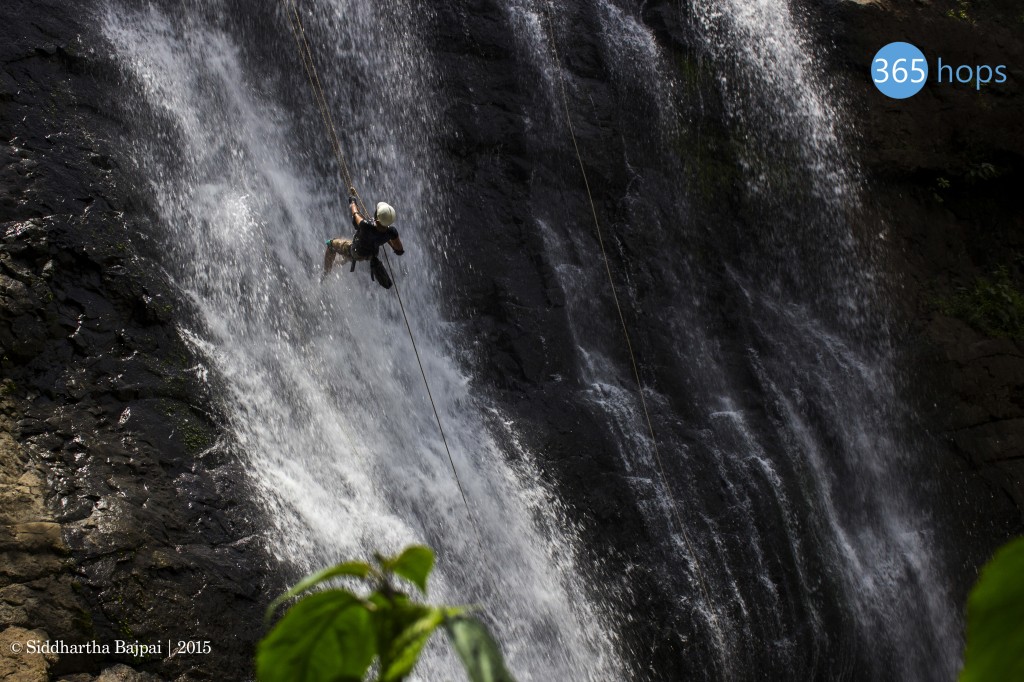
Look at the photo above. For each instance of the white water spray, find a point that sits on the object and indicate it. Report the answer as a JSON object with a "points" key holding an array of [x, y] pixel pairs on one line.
{"points": [[323, 392]]}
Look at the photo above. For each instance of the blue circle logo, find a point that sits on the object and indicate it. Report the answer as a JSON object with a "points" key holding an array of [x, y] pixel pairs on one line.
{"points": [[899, 70]]}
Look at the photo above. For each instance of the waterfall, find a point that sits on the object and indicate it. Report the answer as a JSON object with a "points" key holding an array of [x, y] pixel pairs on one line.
{"points": [[821, 350], [826, 561], [765, 358], [322, 389]]}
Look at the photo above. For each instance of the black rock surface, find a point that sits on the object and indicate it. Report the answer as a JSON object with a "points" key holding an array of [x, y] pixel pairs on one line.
{"points": [[162, 537]]}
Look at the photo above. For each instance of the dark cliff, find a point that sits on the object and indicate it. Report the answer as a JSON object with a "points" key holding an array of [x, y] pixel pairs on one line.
{"points": [[125, 513], [148, 530], [946, 167]]}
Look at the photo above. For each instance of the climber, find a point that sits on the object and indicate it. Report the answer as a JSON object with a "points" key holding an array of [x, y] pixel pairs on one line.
{"points": [[371, 234]]}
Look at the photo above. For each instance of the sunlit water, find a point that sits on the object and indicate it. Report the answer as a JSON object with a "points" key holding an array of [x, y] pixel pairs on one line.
{"points": [[329, 410], [324, 394]]}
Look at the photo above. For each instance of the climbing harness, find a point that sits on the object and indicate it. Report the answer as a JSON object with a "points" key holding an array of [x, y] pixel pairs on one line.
{"points": [[379, 274], [306, 54], [625, 330]]}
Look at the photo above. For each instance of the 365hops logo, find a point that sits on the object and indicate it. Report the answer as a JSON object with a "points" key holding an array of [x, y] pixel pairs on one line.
{"points": [[899, 70]]}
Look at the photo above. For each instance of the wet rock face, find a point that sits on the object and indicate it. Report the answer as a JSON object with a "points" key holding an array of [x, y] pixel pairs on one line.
{"points": [[509, 169], [125, 514], [502, 159], [946, 167]]}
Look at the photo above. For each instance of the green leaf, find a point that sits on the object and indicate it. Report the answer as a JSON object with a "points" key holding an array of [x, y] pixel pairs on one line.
{"points": [[327, 636], [393, 614], [355, 569], [478, 650], [414, 564], [995, 619], [403, 651]]}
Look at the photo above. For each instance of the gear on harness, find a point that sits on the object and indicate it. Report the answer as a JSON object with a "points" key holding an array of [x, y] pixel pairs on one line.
{"points": [[379, 273]]}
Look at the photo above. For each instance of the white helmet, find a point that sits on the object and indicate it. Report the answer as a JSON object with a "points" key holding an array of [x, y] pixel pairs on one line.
{"points": [[385, 214]]}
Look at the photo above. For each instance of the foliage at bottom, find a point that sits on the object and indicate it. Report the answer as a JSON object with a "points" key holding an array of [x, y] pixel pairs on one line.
{"points": [[995, 619], [337, 635]]}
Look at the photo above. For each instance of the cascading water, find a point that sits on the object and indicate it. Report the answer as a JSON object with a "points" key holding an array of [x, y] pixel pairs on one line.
{"points": [[841, 411], [823, 548], [324, 395], [777, 417]]}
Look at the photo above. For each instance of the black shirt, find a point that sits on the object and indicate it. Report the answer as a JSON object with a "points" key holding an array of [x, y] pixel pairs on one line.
{"points": [[368, 238]]}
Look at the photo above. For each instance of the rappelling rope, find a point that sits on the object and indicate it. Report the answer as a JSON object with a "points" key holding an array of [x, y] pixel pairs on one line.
{"points": [[625, 330], [306, 54], [299, 31], [426, 383]]}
